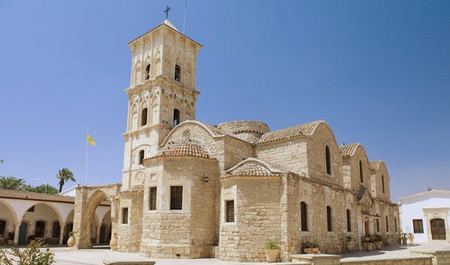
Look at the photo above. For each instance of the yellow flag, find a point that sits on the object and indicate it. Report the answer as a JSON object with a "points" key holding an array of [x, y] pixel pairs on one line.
{"points": [[90, 140]]}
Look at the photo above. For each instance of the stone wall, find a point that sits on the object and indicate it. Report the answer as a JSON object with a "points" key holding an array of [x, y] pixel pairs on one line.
{"points": [[292, 155], [192, 231], [128, 239], [257, 217]]}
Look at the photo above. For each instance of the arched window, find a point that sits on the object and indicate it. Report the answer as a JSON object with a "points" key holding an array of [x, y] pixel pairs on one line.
{"points": [[382, 184], [176, 117], [147, 72], [141, 157], [144, 117], [329, 219], [177, 75], [39, 230], [361, 176], [349, 221], [304, 216], [328, 159], [387, 224]]}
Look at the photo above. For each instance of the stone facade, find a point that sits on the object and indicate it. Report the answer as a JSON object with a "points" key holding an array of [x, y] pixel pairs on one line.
{"points": [[194, 190]]}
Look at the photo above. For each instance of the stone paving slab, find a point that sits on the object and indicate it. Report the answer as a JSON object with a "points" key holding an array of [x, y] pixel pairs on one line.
{"points": [[68, 256]]}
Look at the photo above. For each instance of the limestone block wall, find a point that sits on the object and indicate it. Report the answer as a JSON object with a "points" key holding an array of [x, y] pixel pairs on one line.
{"points": [[257, 217], [192, 231], [290, 154], [318, 197], [377, 188], [128, 239], [355, 176], [235, 151], [316, 143]]}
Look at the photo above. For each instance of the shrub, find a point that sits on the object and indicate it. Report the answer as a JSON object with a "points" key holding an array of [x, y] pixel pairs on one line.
{"points": [[33, 254], [272, 244], [308, 244]]}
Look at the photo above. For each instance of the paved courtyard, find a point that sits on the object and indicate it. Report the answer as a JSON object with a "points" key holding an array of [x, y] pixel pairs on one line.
{"points": [[68, 256]]}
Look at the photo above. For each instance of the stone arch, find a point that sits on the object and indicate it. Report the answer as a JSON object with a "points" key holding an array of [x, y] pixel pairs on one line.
{"points": [[37, 213], [86, 203], [10, 218], [10, 209], [190, 124], [94, 201]]}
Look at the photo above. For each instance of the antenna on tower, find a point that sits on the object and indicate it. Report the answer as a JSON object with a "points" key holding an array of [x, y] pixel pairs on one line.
{"points": [[184, 16]]}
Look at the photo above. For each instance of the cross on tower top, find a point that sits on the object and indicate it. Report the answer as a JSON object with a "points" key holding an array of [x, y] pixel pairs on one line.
{"points": [[167, 12]]}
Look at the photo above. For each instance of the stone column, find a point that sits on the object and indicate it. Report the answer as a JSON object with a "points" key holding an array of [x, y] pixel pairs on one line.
{"points": [[81, 232], [284, 240], [16, 233], [114, 220], [97, 239], [61, 233]]}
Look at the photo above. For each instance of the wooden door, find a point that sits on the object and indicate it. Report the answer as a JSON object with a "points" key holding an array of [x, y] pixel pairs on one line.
{"points": [[23, 228], [437, 229]]}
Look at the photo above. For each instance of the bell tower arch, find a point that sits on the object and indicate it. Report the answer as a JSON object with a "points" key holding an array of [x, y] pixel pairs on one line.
{"points": [[161, 95]]}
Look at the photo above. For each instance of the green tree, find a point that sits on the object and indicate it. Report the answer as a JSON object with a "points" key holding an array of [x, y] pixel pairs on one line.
{"points": [[11, 183], [45, 188], [64, 175]]}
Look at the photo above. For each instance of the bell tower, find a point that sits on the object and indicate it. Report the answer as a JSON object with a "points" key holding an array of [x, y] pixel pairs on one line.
{"points": [[162, 94]]}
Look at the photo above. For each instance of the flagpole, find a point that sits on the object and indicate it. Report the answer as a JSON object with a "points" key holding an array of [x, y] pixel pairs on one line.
{"points": [[87, 158], [184, 17]]}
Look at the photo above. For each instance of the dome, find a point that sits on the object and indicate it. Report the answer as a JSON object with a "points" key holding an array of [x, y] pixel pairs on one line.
{"points": [[249, 131], [237, 127], [184, 148]]}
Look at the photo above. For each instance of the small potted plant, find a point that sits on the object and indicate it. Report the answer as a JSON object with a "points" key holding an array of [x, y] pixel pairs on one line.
{"points": [[272, 250], [410, 238], [368, 243], [350, 243], [71, 241], [310, 248], [378, 241], [404, 239]]}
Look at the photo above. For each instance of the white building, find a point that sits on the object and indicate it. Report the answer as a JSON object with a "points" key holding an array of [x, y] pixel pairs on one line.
{"points": [[426, 215], [25, 216]]}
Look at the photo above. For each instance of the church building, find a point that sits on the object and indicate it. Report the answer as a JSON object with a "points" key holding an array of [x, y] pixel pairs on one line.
{"points": [[192, 190]]}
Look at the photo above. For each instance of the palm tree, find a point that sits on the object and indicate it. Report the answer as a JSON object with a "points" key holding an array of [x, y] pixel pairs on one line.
{"points": [[11, 183], [45, 188], [63, 176]]}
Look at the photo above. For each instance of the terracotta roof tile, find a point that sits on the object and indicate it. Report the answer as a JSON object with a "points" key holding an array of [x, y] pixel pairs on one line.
{"points": [[349, 149], [137, 188], [184, 148], [302, 129], [375, 164]]}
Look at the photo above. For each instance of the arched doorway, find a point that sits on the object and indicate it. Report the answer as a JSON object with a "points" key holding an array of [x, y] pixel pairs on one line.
{"points": [[438, 229], [40, 222], [97, 206], [8, 223]]}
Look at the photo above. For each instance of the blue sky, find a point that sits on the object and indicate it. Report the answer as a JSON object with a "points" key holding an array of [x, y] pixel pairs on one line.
{"points": [[377, 71]]}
